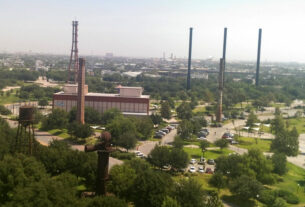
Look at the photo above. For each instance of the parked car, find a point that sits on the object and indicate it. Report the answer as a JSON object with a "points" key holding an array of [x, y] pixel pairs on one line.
{"points": [[193, 161], [158, 136], [234, 142], [201, 138], [165, 130], [201, 161], [201, 169], [192, 169], [161, 132], [205, 130], [211, 162], [209, 170], [202, 134]]}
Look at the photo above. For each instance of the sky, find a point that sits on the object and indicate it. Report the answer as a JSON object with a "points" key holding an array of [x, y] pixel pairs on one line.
{"points": [[142, 28]]}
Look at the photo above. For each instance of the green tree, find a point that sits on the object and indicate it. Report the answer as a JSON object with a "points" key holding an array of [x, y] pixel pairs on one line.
{"points": [[127, 140], [245, 187], [189, 193], [178, 142], [91, 115], [122, 180], [185, 129], [165, 110], [222, 143], [104, 201], [279, 162], [159, 156], [184, 111], [43, 102], [78, 130], [144, 127], [286, 142], [178, 158], [57, 119], [150, 188], [252, 118], [119, 126], [277, 124], [214, 200], [156, 118], [170, 202], [218, 181], [204, 145], [110, 115]]}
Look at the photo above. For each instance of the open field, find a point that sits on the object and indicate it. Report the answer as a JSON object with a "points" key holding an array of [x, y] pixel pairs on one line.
{"points": [[299, 123], [249, 142], [9, 99], [209, 154]]}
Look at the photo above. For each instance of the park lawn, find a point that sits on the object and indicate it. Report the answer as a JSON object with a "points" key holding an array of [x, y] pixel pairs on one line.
{"points": [[249, 142], [199, 109], [9, 99], [291, 179], [209, 154], [63, 133], [299, 123]]}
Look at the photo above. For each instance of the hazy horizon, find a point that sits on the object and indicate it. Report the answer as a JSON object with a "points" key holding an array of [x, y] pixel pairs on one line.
{"points": [[148, 28]]}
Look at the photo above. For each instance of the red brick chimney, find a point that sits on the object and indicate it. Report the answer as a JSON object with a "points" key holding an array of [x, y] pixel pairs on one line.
{"points": [[80, 116]]}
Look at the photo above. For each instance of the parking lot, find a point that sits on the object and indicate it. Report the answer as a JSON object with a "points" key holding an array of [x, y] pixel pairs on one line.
{"points": [[197, 165]]}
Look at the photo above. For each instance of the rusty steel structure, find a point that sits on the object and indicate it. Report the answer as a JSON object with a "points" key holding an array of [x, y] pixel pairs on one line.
{"points": [[80, 116], [73, 64], [258, 56], [189, 64], [24, 141], [220, 90], [103, 149]]}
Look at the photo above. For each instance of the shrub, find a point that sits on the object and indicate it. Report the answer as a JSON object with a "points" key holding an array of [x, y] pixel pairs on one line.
{"points": [[267, 196], [123, 155], [288, 196]]}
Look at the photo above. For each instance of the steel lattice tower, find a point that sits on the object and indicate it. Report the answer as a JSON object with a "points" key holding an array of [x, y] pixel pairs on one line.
{"points": [[73, 64]]}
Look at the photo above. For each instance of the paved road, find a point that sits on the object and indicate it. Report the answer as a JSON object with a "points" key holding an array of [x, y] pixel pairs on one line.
{"points": [[146, 146]]}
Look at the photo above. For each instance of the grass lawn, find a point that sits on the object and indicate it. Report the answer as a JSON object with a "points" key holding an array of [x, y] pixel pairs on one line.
{"points": [[199, 109], [210, 154], [63, 133], [299, 123], [293, 177], [9, 99], [248, 143]]}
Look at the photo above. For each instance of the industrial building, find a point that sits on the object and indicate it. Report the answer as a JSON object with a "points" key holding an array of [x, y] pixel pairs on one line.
{"points": [[129, 100]]}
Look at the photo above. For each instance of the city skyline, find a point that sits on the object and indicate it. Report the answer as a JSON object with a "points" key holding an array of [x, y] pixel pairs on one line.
{"points": [[147, 29]]}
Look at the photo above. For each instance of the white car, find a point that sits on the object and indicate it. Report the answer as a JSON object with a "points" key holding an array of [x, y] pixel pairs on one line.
{"points": [[201, 169], [192, 169], [193, 161], [202, 138]]}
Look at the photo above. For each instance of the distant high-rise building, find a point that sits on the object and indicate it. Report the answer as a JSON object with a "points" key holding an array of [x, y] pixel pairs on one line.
{"points": [[109, 55]]}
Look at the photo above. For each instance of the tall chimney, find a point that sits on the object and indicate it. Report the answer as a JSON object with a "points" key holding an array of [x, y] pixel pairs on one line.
{"points": [[258, 56], [80, 95], [224, 50], [188, 87], [220, 90]]}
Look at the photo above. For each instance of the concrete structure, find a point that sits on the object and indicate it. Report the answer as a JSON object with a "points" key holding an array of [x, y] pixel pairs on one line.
{"points": [[129, 100], [258, 56], [189, 63], [220, 91], [80, 116]]}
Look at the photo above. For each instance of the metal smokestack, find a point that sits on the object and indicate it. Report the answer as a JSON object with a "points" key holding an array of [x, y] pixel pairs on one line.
{"points": [[220, 90], [188, 87], [258, 56], [80, 95]]}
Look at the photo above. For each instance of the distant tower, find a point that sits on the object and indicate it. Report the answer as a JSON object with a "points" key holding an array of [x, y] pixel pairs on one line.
{"points": [[220, 90], [188, 87], [258, 56], [81, 94], [24, 142], [224, 51], [73, 64]]}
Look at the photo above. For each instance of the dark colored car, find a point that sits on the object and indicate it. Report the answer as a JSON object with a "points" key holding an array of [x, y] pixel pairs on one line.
{"points": [[209, 171], [211, 162]]}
